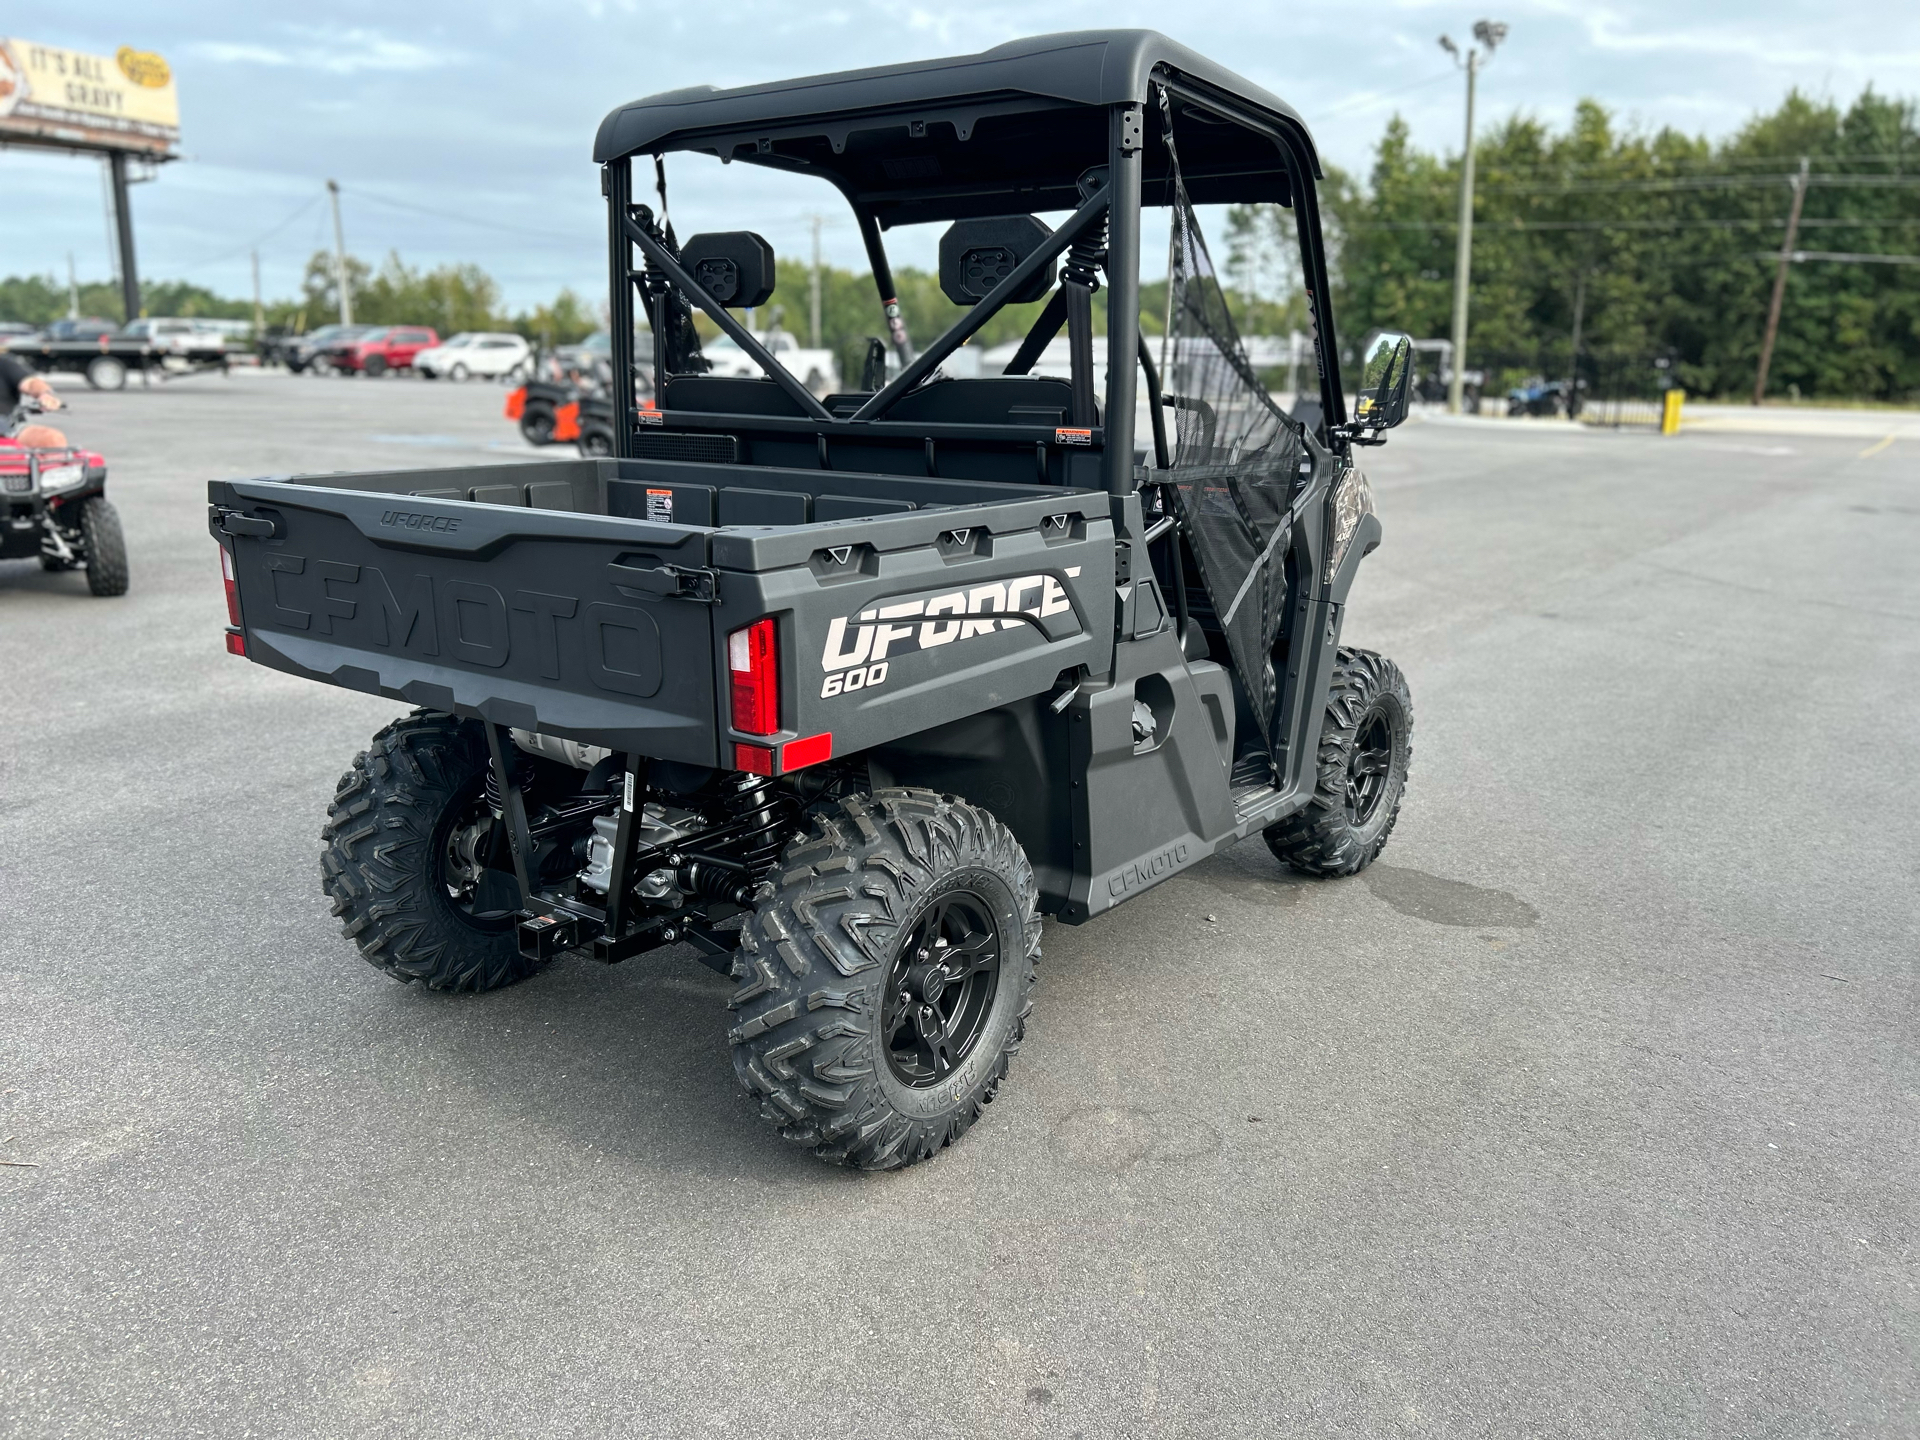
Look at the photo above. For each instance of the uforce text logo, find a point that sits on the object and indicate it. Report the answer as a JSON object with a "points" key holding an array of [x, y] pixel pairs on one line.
{"points": [[420, 520], [860, 661]]}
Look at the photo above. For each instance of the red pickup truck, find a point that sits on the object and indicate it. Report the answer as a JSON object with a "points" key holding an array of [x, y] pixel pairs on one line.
{"points": [[382, 350]]}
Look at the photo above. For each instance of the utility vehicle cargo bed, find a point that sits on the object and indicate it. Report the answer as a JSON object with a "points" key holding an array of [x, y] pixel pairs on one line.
{"points": [[592, 599]]}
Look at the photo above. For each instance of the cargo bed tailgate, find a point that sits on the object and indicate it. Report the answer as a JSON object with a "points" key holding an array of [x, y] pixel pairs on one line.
{"points": [[589, 626]]}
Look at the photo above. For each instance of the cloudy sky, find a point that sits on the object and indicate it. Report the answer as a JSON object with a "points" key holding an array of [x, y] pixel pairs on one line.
{"points": [[462, 131]]}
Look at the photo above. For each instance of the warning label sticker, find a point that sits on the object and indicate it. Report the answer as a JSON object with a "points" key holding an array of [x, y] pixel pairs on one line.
{"points": [[650, 417], [1069, 435], [660, 505]]}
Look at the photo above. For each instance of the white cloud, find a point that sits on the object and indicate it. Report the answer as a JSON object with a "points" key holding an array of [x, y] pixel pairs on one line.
{"points": [[338, 52]]}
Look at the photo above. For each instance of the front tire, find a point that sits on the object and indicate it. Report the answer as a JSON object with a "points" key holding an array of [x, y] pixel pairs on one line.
{"points": [[375, 366], [887, 977], [106, 547], [536, 424], [407, 840], [459, 374], [1366, 744]]}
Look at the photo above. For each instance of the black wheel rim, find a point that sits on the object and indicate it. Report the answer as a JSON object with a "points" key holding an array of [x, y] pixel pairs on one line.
{"points": [[940, 989], [1370, 766], [468, 846]]}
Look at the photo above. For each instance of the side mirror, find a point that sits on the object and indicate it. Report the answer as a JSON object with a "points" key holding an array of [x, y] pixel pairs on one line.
{"points": [[1386, 382]]}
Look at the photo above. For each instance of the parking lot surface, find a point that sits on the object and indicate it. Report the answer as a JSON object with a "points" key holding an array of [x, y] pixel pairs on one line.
{"points": [[1589, 1110]]}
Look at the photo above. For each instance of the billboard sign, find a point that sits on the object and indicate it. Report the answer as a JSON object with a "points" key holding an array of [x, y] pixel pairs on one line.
{"points": [[51, 96]]}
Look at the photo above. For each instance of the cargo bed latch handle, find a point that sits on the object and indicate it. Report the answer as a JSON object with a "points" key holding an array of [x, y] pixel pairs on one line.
{"points": [[674, 581], [234, 523]]}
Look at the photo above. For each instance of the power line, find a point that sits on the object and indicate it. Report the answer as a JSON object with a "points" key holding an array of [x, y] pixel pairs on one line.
{"points": [[466, 219], [1847, 257], [1361, 101], [264, 235], [1695, 182], [1760, 222]]}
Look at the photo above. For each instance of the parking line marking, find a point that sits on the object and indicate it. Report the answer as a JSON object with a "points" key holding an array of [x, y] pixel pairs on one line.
{"points": [[1879, 445]]}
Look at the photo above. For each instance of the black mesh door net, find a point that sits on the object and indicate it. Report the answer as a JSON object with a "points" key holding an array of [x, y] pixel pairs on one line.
{"points": [[1238, 458]]}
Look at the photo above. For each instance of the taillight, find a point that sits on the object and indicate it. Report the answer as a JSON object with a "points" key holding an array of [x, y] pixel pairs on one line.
{"points": [[236, 639], [756, 679], [233, 590]]}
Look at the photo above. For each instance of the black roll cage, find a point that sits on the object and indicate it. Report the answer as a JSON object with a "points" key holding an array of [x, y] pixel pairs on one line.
{"points": [[1118, 200]]}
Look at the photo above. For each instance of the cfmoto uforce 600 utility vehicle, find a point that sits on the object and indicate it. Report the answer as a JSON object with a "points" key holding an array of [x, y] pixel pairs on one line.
{"points": [[844, 693]]}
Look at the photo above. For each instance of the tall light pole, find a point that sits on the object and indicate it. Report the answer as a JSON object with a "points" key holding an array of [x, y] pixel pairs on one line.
{"points": [[342, 284], [1489, 34]]}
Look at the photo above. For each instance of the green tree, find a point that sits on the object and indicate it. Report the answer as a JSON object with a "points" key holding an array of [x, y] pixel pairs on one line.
{"points": [[1652, 243]]}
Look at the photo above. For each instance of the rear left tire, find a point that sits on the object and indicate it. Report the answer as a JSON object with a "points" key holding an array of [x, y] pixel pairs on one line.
{"points": [[407, 838]]}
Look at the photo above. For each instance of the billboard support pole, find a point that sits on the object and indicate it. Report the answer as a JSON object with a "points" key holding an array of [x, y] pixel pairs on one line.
{"points": [[123, 232]]}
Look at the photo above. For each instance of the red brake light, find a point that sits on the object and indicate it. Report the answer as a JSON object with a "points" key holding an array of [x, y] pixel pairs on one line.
{"points": [[756, 681]]}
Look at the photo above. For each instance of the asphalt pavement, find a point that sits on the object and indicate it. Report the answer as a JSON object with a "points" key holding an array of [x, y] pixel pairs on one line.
{"points": [[1592, 1109]]}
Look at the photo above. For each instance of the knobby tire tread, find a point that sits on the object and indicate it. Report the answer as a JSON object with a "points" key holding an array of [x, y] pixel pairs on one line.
{"points": [[813, 963], [1321, 839], [378, 862]]}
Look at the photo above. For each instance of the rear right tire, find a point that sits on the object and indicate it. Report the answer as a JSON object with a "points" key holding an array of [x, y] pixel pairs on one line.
{"points": [[886, 977]]}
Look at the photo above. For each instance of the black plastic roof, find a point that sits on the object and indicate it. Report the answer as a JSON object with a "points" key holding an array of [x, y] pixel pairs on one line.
{"points": [[972, 120]]}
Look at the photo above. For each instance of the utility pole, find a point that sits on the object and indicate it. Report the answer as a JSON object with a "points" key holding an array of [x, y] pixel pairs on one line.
{"points": [[342, 282], [1489, 34], [259, 312], [813, 285], [73, 290], [1780, 283]]}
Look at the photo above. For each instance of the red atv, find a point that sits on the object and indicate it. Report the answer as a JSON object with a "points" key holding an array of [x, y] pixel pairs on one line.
{"points": [[53, 504], [392, 348]]}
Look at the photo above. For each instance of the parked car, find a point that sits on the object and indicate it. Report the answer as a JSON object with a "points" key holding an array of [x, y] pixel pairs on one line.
{"points": [[818, 370], [178, 336], [15, 329], [596, 348], [309, 351], [392, 347], [474, 353], [90, 327]]}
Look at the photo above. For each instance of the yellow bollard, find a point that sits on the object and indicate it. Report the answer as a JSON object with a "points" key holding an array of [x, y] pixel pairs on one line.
{"points": [[1670, 412]]}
